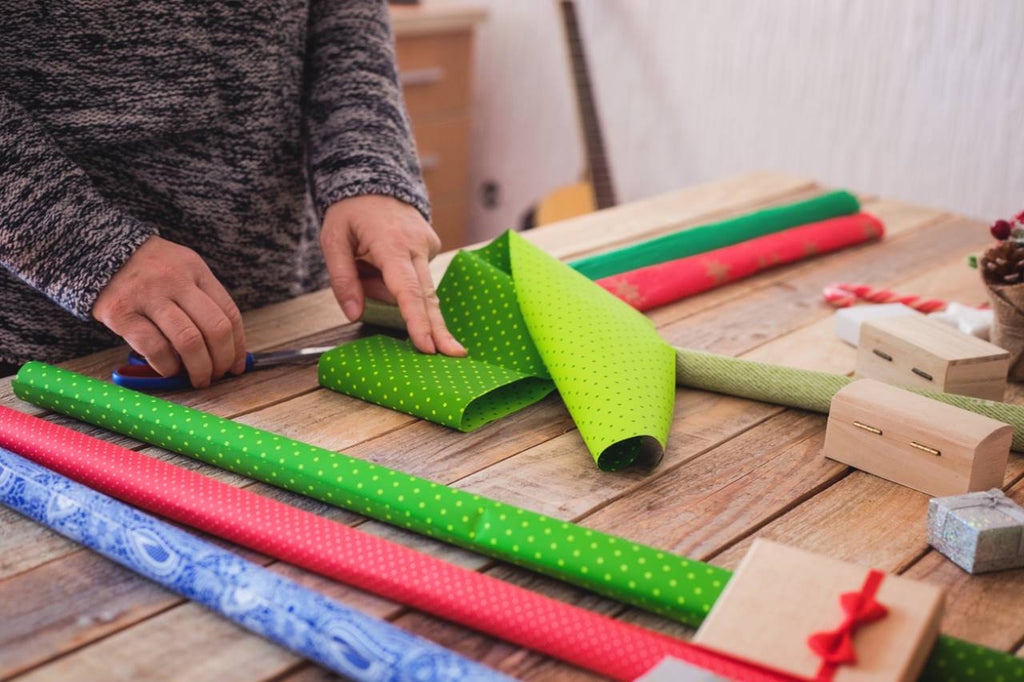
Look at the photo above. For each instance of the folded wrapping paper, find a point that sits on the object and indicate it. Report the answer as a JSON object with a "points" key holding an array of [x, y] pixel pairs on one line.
{"points": [[695, 240], [530, 325], [809, 390], [335, 636], [647, 578], [655, 285], [614, 567], [608, 647]]}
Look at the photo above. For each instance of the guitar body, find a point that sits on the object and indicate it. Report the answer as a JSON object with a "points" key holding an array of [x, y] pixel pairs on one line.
{"points": [[595, 191], [565, 202]]}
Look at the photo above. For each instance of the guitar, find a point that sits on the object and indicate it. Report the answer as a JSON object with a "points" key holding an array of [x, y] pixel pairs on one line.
{"points": [[595, 190]]}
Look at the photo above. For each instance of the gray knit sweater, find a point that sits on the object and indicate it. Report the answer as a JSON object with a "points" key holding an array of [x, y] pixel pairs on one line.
{"points": [[228, 127]]}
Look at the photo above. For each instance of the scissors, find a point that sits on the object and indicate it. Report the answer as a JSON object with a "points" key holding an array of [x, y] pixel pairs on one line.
{"points": [[139, 376]]}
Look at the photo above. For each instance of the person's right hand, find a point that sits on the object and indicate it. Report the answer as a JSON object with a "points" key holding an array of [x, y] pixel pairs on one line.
{"points": [[170, 308]]}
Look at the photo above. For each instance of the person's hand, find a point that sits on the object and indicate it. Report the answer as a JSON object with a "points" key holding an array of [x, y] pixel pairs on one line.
{"points": [[170, 308], [380, 247]]}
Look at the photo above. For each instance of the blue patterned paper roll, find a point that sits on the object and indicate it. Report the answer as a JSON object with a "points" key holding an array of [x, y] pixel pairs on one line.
{"points": [[335, 636]]}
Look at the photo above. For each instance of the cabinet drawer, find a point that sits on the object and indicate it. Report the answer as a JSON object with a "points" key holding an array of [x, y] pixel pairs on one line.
{"points": [[449, 216], [443, 148], [434, 72]]}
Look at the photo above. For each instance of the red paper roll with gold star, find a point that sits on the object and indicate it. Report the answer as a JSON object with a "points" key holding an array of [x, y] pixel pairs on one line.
{"points": [[657, 285]]}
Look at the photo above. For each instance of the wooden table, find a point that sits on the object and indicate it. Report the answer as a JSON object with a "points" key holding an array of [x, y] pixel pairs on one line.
{"points": [[734, 469]]}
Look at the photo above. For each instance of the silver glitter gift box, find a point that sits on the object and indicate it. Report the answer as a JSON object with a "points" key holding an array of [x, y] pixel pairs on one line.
{"points": [[979, 532]]}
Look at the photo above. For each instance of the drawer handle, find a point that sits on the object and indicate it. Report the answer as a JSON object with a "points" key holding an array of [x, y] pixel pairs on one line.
{"points": [[429, 162], [921, 373], [433, 74]]}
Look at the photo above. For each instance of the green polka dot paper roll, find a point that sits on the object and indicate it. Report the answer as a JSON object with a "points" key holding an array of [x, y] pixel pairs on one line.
{"points": [[530, 325], [636, 574]]}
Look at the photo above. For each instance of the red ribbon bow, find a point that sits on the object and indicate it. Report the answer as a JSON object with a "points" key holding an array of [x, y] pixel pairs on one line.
{"points": [[835, 647]]}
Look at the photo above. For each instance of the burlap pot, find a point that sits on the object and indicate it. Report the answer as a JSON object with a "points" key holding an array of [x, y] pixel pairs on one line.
{"points": [[1008, 324]]}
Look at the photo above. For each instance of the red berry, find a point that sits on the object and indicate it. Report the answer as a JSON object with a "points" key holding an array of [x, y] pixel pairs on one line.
{"points": [[1000, 230], [1020, 217]]}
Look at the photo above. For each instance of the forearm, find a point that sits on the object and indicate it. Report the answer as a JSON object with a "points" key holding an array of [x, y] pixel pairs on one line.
{"points": [[358, 130], [57, 233]]}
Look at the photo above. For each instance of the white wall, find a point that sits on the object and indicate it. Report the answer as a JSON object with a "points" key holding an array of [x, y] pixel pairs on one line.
{"points": [[921, 100]]}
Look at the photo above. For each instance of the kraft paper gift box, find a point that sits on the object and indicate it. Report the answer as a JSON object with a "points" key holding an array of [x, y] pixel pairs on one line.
{"points": [[819, 618], [979, 532]]}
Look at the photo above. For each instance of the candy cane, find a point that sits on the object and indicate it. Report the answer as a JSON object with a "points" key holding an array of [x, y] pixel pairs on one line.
{"points": [[845, 294]]}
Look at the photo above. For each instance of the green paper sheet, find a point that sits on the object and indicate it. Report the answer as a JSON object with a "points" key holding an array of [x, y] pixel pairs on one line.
{"points": [[704, 238], [530, 325], [642, 576]]}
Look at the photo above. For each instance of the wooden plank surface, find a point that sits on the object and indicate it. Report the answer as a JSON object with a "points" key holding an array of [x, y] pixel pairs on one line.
{"points": [[734, 469]]}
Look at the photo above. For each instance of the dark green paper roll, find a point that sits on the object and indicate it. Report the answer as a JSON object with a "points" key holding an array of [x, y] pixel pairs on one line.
{"points": [[704, 238]]}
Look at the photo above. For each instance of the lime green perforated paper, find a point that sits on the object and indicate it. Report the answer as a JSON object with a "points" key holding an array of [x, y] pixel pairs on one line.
{"points": [[530, 325]]}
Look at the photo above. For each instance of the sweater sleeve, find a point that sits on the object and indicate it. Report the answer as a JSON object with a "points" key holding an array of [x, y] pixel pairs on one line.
{"points": [[57, 233], [359, 134]]}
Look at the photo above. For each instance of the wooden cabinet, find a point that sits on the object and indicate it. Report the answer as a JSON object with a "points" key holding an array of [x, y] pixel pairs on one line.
{"points": [[434, 50]]}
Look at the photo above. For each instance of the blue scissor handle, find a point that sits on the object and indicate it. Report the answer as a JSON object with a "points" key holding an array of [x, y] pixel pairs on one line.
{"points": [[139, 376], [145, 378]]}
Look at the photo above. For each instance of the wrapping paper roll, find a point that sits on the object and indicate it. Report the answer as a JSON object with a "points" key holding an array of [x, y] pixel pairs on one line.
{"points": [[335, 636], [657, 285], [633, 573], [809, 390], [589, 640], [704, 238], [677, 587]]}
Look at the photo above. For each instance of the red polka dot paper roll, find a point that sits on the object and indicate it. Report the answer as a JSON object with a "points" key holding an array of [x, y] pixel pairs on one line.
{"points": [[657, 285], [584, 638]]}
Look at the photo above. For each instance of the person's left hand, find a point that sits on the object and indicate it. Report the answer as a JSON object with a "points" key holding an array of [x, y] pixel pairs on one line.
{"points": [[380, 247]]}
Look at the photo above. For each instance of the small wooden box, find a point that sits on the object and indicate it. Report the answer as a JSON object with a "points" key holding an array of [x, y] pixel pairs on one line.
{"points": [[780, 596], [923, 353], [915, 441]]}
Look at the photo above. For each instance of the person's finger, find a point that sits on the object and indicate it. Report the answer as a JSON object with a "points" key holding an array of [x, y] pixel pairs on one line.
{"points": [[402, 280], [433, 244], [344, 278], [186, 338], [214, 325], [372, 281], [374, 287], [443, 339], [215, 290], [146, 340]]}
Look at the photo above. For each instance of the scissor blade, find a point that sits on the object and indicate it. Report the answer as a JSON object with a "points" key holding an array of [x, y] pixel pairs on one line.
{"points": [[280, 357]]}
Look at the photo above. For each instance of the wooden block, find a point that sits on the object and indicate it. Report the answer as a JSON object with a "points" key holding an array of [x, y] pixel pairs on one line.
{"points": [[915, 441], [923, 353], [780, 596]]}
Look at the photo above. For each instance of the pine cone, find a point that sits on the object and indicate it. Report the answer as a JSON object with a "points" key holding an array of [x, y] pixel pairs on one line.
{"points": [[1004, 263]]}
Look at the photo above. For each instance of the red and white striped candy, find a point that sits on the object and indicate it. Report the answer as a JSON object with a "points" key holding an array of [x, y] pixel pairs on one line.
{"points": [[845, 294]]}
